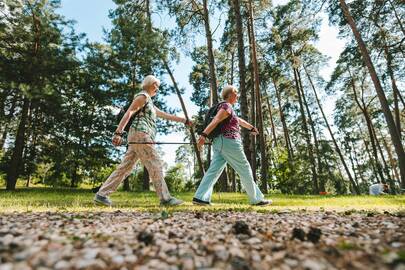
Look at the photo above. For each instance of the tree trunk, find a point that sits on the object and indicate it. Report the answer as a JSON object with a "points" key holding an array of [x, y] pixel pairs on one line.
{"points": [[306, 133], [74, 180], [391, 159], [264, 161], [126, 186], [233, 178], [370, 157], [183, 106], [363, 107], [19, 144], [316, 144], [357, 163], [380, 92], [287, 138], [252, 110], [386, 169], [224, 180], [32, 140], [242, 78], [273, 128], [75, 176], [232, 67], [145, 182], [373, 145], [337, 148], [213, 79], [353, 167], [211, 59], [148, 15], [395, 90]]}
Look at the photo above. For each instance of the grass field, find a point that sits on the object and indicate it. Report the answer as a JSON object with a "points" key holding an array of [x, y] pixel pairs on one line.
{"points": [[77, 200]]}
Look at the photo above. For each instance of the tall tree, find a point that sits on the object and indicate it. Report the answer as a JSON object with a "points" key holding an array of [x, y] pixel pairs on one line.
{"points": [[264, 162], [236, 7], [34, 64], [380, 92], [337, 148]]}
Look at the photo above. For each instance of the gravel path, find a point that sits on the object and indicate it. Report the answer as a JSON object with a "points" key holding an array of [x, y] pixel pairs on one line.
{"points": [[200, 240]]}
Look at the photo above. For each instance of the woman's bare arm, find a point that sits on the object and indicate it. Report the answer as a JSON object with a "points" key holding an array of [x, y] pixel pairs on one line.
{"points": [[168, 116], [136, 105], [245, 123], [219, 117]]}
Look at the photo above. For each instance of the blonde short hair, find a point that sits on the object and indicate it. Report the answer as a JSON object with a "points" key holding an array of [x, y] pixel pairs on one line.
{"points": [[149, 80], [227, 90]]}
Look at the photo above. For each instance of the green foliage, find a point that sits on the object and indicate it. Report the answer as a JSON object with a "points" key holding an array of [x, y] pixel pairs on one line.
{"points": [[71, 107], [175, 178]]}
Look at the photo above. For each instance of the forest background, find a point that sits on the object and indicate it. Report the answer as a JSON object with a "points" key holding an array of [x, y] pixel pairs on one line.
{"points": [[321, 131]]}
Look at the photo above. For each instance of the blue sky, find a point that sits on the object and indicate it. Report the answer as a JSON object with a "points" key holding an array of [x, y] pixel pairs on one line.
{"points": [[91, 17]]}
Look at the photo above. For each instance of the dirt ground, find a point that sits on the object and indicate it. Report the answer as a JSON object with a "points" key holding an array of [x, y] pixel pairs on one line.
{"points": [[201, 240]]}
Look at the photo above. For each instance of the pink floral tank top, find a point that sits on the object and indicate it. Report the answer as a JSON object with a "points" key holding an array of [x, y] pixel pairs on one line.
{"points": [[230, 129]]}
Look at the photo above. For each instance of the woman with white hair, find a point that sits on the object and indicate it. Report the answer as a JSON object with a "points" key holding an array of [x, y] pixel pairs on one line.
{"points": [[228, 149], [143, 131]]}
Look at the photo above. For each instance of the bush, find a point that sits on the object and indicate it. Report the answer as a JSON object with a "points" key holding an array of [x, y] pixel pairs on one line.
{"points": [[175, 178]]}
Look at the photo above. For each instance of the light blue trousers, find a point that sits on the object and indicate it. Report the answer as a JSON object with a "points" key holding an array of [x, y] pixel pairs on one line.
{"points": [[228, 151]]}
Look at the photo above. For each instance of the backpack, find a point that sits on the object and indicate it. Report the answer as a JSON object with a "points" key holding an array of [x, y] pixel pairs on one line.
{"points": [[209, 116], [123, 111]]}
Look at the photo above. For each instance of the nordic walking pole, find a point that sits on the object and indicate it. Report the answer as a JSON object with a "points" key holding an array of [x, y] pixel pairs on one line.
{"points": [[164, 143], [199, 160]]}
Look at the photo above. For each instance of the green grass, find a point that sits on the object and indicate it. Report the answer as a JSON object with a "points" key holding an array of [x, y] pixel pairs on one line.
{"points": [[78, 200]]}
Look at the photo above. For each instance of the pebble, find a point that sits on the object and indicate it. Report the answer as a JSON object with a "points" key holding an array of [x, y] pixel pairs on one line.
{"points": [[298, 233], [240, 227], [62, 265], [314, 235], [310, 264], [91, 264]]}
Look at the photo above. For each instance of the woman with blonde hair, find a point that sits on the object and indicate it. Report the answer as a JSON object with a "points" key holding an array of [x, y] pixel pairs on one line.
{"points": [[228, 149], [142, 131]]}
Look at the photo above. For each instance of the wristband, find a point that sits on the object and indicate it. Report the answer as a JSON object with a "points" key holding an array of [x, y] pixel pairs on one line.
{"points": [[252, 129], [204, 134], [118, 133]]}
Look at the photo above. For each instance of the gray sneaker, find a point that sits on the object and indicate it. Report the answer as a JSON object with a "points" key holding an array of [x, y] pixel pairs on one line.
{"points": [[171, 202], [200, 202], [104, 200], [263, 203]]}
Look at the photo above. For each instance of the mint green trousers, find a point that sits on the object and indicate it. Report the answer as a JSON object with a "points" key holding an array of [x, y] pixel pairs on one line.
{"points": [[228, 151]]}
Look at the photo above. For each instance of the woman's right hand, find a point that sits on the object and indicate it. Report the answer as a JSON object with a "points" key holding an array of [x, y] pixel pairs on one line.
{"points": [[117, 140]]}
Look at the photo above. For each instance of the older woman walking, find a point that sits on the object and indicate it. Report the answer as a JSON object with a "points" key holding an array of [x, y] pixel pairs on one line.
{"points": [[228, 149], [143, 131]]}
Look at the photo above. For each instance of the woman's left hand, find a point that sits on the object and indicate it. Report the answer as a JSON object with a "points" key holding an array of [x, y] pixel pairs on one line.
{"points": [[117, 140], [254, 131]]}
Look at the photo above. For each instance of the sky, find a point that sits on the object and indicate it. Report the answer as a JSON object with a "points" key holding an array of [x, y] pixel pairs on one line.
{"points": [[91, 17]]}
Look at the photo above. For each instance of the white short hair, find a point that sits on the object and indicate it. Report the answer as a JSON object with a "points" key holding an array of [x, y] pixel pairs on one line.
{"points": [[149, 80], [227, 90]]}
